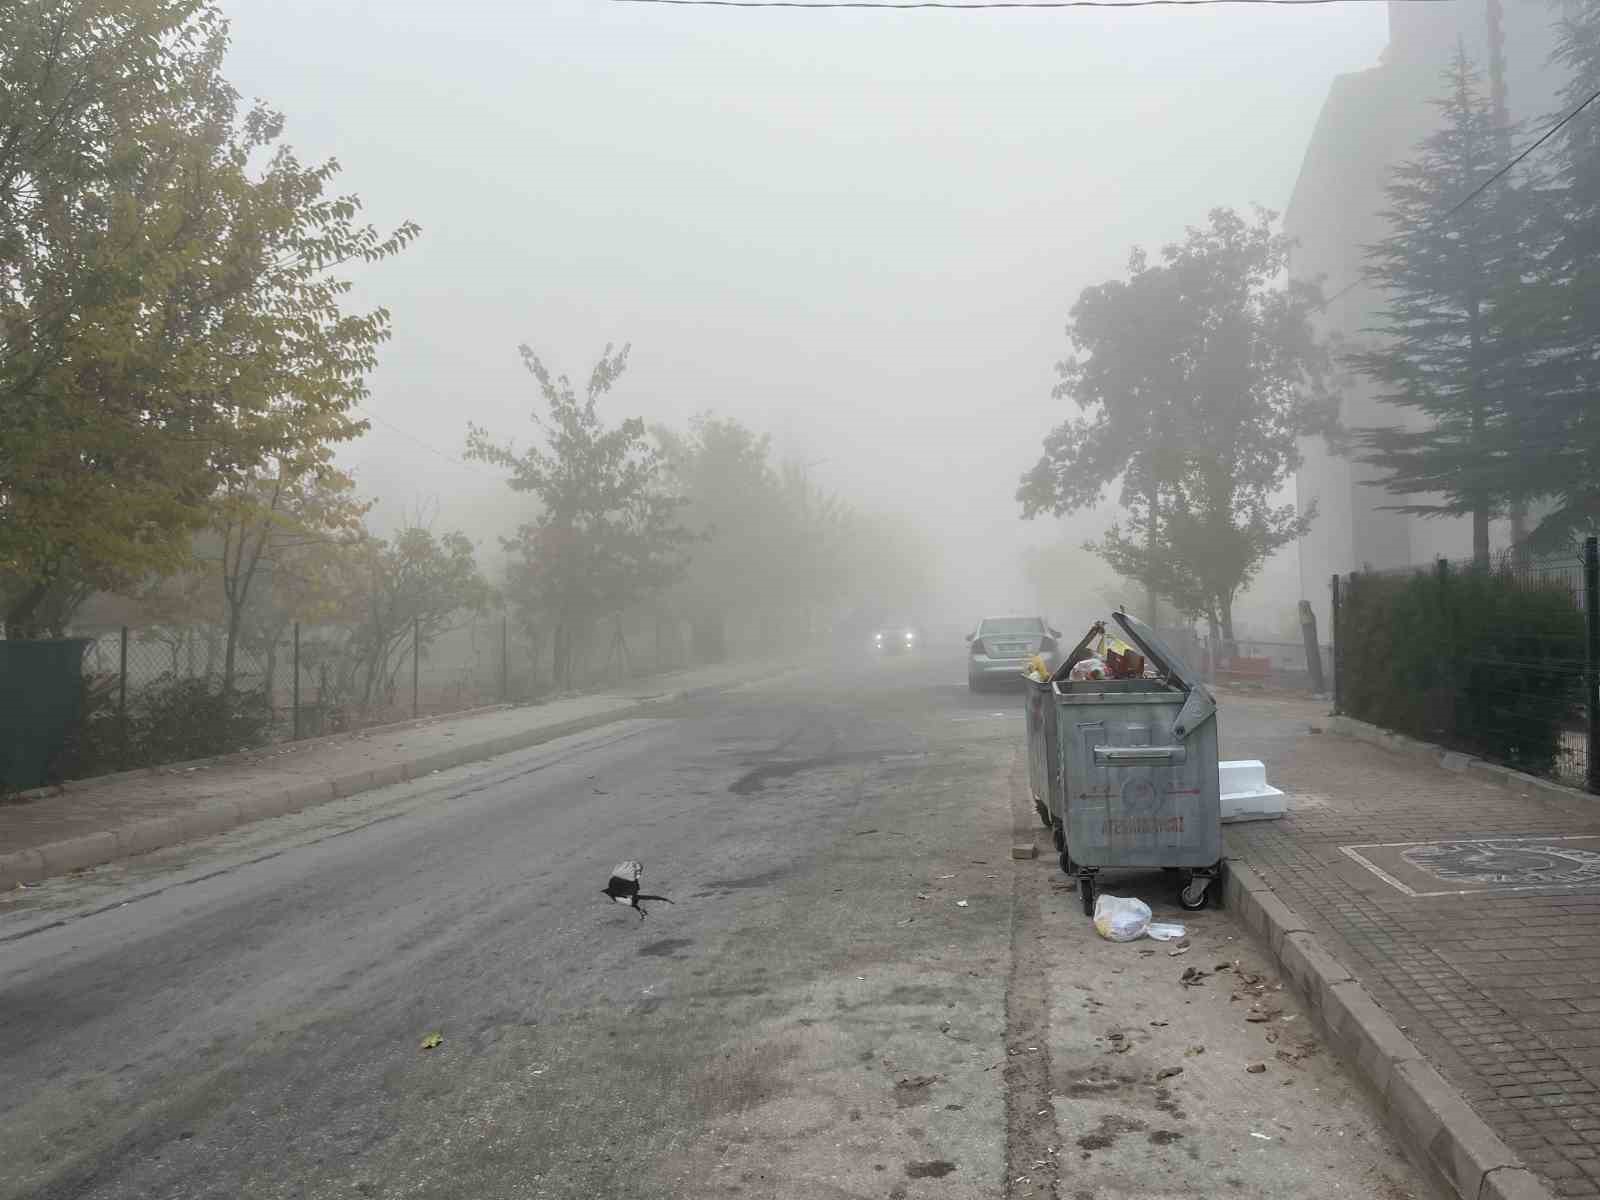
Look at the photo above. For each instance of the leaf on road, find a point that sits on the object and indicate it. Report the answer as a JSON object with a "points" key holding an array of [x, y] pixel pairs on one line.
{"points": [[432, 1040]]}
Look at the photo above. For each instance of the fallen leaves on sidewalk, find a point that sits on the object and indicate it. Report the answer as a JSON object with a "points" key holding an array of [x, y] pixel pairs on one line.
{"points": [[1168, 1073], [1192, 977], [433, 1041]]}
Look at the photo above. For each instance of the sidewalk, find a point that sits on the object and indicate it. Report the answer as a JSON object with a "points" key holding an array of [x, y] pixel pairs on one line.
{"points": [[1489, 965], [101, 820]]}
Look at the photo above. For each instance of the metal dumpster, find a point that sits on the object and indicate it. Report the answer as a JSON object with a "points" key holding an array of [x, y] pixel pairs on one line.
{"points": [[1138, 772]]}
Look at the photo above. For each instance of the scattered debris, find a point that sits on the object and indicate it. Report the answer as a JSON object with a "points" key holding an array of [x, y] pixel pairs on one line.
{"points": [[1158, 1024], [1194, 1051], [1257, 1016], [1256, 1068], [1178, 951], [1168, 1073], [961, 904], [433, 1041], [922, 895], [1192, 977], [1262, 1136]]}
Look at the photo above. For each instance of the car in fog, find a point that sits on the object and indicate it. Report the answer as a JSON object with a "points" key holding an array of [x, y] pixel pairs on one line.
{"points": [[999, 648], [896, 637]]}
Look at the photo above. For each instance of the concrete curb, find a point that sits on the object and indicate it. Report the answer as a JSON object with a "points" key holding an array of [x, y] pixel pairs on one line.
{"points": [[220, 816], [1569, 799], [1429, 1117]]}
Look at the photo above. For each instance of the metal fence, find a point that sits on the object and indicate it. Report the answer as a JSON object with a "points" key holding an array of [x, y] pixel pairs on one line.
{"points": [[160, 694], [1499, 662]]}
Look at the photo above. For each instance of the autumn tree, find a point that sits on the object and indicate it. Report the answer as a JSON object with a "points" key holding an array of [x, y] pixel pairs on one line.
{"points": [[276, 530], [609, 533], [170, 314]]}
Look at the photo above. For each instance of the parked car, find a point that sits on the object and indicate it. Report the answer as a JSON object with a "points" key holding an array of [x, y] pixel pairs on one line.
{"points": [[1000, 647], [896, 637]]}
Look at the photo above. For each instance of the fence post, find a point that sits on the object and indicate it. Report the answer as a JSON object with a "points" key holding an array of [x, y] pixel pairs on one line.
{"points": [[122, 697], [505, 662], [296, 681], [416, 642], [1338, 643], [1591, 658]]}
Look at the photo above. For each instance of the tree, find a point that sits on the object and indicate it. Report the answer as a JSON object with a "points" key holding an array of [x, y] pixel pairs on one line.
{"points": [[1450, 346], [1552, 449], [407, 590], [1218, 373], [608, 534], [1129, 431], [275, 529], [732, 500], [169, 316]]}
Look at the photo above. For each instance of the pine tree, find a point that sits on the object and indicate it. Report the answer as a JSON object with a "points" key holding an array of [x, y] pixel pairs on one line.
{"points": [[1556, 443], [1450, 346]]}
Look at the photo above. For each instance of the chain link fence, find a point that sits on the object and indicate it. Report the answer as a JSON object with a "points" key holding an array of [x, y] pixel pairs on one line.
{"points": [[161, 694]]}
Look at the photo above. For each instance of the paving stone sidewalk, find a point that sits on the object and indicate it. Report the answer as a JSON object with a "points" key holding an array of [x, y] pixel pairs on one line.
{"points": [[173, 804], [1498, 983]]}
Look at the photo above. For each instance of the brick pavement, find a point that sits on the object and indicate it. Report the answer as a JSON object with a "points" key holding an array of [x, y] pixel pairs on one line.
{"points": [[1501, 990]]}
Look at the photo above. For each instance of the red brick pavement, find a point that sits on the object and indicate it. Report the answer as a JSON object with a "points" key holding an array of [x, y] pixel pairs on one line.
{"points": [[1502, 989]]}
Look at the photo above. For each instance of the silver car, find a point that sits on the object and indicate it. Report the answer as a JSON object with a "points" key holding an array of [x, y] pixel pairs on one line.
{"points": [[1000, 647]]}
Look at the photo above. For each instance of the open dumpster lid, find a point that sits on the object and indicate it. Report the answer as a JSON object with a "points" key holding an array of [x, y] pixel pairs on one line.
{"points": [[1161, 655]]}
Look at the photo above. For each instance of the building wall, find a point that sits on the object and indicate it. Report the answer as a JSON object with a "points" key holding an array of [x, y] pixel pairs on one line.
{"points": [[1371, 120]]}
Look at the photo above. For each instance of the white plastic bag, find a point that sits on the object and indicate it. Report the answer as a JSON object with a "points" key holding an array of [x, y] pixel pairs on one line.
{"points": [[1121, 918], [1165, 931]]}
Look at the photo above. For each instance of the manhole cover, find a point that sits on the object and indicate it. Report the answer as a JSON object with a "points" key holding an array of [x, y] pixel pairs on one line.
{"points": [[1483, 864], [1516, 863]]}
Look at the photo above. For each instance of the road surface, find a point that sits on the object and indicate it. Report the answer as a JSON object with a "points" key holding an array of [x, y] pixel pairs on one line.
{"points": [[823, 1011]]}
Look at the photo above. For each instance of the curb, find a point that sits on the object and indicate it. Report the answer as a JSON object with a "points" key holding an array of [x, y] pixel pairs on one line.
{"points": [[1573, 801], [159, 833], [1429, 1117]]}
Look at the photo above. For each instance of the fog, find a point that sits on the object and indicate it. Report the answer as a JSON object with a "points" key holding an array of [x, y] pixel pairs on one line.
{"points": [[858, 231]]}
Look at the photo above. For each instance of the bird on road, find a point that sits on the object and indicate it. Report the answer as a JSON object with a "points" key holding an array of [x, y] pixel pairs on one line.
{"points": [[623, 886]]}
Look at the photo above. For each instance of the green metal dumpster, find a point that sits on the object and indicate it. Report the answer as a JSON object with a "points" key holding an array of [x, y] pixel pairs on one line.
{"points": [[41, 701]]}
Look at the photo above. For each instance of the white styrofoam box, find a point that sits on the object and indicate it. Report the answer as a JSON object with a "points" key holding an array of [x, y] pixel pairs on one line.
{"points": [[1242, 775], [1246, 795]]}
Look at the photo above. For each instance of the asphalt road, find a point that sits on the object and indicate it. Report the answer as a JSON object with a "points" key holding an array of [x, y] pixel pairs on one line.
{"points": [[822, 1012]]}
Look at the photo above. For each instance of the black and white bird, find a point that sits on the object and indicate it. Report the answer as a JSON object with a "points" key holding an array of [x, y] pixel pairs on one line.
{"points": [[623, 886]]}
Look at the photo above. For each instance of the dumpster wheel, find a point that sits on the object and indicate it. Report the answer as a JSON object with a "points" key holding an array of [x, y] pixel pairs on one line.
{"points": [[1193, 894], [1086, 892], [1058, 835]]}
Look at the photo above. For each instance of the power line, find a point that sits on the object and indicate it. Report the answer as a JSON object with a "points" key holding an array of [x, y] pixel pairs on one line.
{"points": [[903, 4], [1543, 138], [1481, 188], [424, 443]]}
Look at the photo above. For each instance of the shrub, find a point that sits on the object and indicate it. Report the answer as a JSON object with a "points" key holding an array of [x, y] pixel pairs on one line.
{"points": [[1489, 662], [174, 719]]}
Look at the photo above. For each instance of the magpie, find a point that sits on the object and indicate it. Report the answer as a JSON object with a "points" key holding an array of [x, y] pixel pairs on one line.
{"points": [[623, 886]]}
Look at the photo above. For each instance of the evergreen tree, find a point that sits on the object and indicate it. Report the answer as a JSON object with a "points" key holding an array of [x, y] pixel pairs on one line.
{"points": [[1556, 442], [1452, 346]]}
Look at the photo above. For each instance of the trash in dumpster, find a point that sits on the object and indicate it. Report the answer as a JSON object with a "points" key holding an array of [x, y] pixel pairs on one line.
{"points": [[1121, 918], [1122, 761]]}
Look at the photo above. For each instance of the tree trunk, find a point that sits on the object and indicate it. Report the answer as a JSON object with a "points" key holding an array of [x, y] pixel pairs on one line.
{"points": [[19, 616], [1225, 616], [1480, 535], [1151, 536]]}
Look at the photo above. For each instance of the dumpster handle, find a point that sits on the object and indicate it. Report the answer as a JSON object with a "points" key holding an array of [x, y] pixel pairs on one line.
{"points": [[1115, 756]]}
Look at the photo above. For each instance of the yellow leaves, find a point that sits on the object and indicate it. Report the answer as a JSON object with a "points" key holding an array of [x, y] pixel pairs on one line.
{"points": [[433, 1041]]}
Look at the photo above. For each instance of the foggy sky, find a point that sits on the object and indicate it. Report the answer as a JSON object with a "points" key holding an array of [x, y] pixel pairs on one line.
{"points": [[859, 231]]}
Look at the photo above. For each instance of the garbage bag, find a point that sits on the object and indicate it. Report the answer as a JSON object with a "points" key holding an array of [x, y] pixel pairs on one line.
{"points": [[1088, 668], [1121, 918]]}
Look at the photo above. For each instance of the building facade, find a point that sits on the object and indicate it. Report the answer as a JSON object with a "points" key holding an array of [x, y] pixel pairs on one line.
{"points": [[1371, 121]]}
